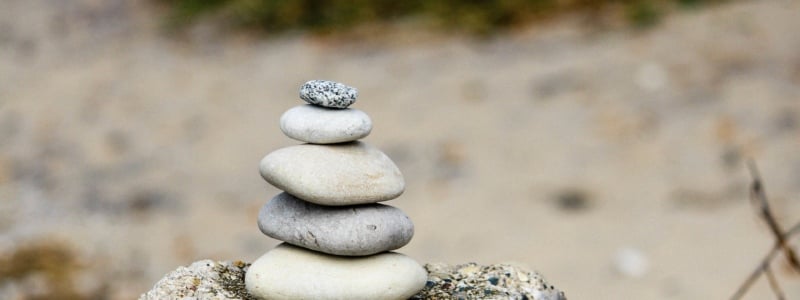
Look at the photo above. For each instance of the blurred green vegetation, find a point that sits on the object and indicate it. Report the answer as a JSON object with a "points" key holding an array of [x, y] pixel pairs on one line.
{"points": [[469, 16]]}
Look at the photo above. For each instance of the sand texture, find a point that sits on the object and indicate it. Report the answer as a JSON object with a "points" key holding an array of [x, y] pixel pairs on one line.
{"points": [[610, 160]]}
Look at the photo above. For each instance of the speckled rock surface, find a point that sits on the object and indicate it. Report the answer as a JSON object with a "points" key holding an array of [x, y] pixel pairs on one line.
{"points": [[467, 281], [321, 125], [473, 281], [328, 93], [340, 174], [341, 230], [204, 279]]}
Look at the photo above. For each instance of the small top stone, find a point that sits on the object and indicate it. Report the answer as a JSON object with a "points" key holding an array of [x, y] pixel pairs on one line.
{"points": [[328, 93]]}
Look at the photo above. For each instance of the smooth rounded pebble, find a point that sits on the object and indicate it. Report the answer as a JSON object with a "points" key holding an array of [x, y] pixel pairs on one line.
{"points": [[290, 272], [320, 125], [328, 93], [340, 174], [340, 230]]}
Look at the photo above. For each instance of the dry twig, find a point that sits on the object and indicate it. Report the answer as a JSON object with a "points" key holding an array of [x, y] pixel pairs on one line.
{"points": [[758, 198]]}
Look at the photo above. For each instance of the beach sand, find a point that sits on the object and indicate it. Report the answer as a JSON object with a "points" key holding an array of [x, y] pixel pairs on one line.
{"points": [[610, 160]]}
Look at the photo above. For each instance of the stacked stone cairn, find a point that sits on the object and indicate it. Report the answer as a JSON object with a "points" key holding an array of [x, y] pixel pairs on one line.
{"points": [[337, 238]]}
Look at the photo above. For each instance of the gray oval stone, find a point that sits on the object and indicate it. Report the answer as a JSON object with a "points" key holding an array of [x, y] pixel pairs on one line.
{"points": [[290, 272], [340, 230], [320, 125], [339, 174], [328, 93]]}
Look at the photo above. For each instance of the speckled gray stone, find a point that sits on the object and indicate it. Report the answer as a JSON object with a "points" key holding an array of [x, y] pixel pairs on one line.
{"points": [[321, 125], [340, 230], [290, 272], [204, 279], [473, 281], [328, 93], [339, 174]]}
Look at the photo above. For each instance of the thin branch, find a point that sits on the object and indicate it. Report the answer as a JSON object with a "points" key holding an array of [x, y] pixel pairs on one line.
{"points": [[754, 275], [773, 283], [758, 197], [764, 264], [793, 230]]}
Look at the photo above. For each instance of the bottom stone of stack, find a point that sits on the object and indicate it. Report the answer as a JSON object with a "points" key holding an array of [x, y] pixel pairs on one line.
{"points": [[291, 272]]}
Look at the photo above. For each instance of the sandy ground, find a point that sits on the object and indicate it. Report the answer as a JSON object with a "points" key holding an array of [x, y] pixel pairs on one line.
{"points": [[560, 147]]}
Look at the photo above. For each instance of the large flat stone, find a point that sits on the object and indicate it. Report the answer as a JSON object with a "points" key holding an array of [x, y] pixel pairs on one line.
{"points": [[290, 272], [340, 174], [340, 230]]}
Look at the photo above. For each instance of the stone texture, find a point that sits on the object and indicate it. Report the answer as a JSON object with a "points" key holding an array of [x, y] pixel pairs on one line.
{"points": [[473, 281], [463, 282], [328, 93], [341, 230], [320, 125], [340, 174], [290, 272], [203, 279]]}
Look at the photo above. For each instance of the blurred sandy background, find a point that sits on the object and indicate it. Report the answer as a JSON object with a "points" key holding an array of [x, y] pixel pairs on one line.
{"points": [[610, 160]]}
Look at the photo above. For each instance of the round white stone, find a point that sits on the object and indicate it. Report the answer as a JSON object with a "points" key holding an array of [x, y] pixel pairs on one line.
{"points": [[290, 272], [340, 230], [631, 262], [340, 174], [320, 125]]}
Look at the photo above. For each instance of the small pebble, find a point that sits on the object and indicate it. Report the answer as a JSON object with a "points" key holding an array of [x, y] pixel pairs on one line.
{"points": [[631, 262], [328, 93], [320, 125]]}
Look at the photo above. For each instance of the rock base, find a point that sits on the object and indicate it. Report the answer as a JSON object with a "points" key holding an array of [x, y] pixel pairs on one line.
{"points": [[224, 280], [204, 279], [473, 281]]}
